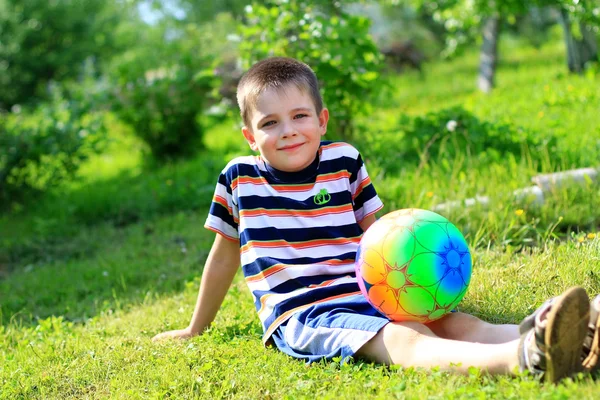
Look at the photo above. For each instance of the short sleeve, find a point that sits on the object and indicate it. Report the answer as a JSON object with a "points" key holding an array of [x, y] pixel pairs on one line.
{"points": [[365, 200], [223, 215]]}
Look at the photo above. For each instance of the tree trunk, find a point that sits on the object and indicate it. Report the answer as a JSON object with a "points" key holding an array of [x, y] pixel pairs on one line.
{"points": [[489, 54], [579, 51]]}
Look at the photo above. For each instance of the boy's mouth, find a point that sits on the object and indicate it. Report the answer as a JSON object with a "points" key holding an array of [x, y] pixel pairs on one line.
{"points": [[291, 146]]}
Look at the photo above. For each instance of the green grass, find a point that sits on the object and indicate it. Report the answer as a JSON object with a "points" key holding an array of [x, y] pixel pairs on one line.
{"points": [[90, 272]]}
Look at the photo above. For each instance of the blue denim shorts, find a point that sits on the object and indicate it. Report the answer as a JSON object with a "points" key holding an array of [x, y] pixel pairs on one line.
{"points": [[337, 328]]}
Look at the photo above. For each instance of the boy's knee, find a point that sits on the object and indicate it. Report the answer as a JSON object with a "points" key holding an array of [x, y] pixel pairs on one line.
{"points": [[395, 343]]}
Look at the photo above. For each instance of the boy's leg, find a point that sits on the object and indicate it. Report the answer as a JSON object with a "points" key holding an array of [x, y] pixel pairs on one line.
{"points": [[468, 328], [551, 343], [411, 344]]}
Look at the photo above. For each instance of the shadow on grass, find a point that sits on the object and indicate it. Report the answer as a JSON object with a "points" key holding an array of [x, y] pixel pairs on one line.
{"points": [[128, 266], [53, 228]]}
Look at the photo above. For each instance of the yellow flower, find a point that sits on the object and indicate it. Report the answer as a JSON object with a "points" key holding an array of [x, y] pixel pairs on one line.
{"points": [[580, 239], [546, 87], [570, 88], [591, 235], [429, 194], [519, 212], [541, 114]]}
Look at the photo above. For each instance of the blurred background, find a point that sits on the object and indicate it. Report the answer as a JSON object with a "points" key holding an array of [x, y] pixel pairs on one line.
{"points": [[117, 115]]}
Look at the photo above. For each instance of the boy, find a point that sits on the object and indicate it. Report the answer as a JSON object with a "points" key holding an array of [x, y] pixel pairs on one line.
{"points": [[293, 217]]}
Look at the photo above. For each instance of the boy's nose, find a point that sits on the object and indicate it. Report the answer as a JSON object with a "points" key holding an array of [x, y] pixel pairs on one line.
{"points": [[288, 130]]}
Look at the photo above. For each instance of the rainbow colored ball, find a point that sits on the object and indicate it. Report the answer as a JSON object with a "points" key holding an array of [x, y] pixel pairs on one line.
{"points": [[413, 265]]}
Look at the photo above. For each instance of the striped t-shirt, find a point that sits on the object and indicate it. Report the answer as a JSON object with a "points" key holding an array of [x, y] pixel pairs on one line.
{"points": [[298, 232]]}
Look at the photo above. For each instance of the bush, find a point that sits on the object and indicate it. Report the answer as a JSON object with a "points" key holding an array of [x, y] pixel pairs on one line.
{"points": [[161, 86], [42, 147], [447, 133], [336, 45]]}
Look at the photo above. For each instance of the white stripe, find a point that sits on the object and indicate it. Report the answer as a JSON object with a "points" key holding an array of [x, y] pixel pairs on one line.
{"points": [[333, 153], [263, 221], [293, 271], [287, 252], [220, 225], [361, 176], [368, 208], [264, 190]]}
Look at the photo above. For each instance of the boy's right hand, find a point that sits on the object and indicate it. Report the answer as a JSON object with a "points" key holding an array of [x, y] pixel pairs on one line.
{"points": [[176, 334]]}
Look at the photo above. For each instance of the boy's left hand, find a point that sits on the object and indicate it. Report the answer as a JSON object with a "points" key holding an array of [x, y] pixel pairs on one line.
{"points": [[176, 334]]}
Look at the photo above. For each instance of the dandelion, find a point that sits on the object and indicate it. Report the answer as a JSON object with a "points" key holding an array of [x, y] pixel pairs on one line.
{"points": [[591, 235], [519, 212], [570, 88], [541, 114], [451, 125], [429, 194], [580, 239]]}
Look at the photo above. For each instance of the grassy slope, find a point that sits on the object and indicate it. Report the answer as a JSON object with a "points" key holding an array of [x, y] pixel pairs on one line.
{"points": [[116, 281]]}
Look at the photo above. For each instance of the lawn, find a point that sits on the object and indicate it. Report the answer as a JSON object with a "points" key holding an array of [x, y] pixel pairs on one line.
{"points": [[89, 273]]}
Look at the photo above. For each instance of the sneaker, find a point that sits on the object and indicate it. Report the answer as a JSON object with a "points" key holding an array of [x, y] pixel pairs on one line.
{"points": [[552, 337], [591, 343]]}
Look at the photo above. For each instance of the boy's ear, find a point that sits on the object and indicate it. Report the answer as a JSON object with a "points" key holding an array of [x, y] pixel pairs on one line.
{"points": [[249, 138], [323, 119]]}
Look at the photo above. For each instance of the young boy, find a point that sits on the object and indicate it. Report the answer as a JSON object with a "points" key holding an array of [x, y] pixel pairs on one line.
{"points": [[293, 217]]}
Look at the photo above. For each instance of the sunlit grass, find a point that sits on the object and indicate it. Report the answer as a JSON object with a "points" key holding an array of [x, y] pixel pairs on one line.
{"points": [[89, 273]]}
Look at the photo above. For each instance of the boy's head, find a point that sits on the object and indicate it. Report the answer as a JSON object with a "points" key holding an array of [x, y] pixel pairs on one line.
{"points": [[283, 112], [277, 73]]}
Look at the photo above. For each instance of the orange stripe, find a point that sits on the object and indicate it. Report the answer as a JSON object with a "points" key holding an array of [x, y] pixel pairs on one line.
{"points": [[275, 268], [298, 245], [334, 145], [263, 299], [283, 317], [296, 213], [366, 182], [333, 176]]}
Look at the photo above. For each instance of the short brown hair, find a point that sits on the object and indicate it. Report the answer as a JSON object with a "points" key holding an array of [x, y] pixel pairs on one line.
{"points": [[277, 73]]}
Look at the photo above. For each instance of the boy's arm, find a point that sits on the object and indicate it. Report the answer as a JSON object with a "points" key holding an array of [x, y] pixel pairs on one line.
{"points": [[219, 270], [367, 222]]}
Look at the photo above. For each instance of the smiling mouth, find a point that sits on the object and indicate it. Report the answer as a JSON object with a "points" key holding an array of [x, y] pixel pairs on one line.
{"points": [[291, 147]]}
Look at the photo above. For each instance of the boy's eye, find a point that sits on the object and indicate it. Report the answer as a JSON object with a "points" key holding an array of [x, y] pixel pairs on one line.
{"points": [[300, 116], [268, 123]]}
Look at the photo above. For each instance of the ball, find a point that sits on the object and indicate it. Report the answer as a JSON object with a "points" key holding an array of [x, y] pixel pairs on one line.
{"points": [[413, 265]]}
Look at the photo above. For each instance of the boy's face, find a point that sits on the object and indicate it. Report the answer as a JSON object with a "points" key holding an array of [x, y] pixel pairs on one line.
{"points": [[286, 129]]}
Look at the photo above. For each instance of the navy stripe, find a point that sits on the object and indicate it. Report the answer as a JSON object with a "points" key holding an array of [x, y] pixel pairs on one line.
{"points": [[296, 235], [278, 203], [325, 167], [218, 210], [367, 194], [357, 165], [310, 297], [263, 263]]}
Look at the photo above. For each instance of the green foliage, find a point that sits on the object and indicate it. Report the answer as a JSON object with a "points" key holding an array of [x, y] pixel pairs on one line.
{"points": [[161, 86], [336, 45], [44, 40], [41, 148], [446, 134]]}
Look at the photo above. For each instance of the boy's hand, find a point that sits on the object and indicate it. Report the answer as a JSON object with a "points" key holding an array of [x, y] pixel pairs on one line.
{"points": [[176, 334]]}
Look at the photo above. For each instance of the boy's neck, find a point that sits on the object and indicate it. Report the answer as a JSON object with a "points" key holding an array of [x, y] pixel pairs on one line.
{"points": [[302, 176]]}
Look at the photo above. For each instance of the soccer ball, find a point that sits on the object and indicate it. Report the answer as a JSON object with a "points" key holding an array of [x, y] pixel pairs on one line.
{"points": [[413, 265]]}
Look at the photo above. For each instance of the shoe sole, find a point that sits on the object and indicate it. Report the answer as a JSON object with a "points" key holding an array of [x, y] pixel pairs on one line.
{"points": [[590, 363], [566, 329]]}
